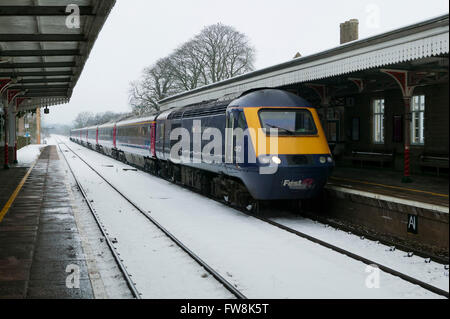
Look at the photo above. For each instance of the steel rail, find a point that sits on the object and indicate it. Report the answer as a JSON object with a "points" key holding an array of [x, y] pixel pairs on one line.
{"points": [[367, 261], [131, 284], [202, 263], [371, 236]]}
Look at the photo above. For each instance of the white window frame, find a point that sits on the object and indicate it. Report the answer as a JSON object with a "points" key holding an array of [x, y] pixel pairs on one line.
{"points": [[378, 114], [418, 105]]}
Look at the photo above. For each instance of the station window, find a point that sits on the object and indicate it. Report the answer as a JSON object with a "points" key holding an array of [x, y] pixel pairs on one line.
{"points": [[418, 120], [378, 121]]}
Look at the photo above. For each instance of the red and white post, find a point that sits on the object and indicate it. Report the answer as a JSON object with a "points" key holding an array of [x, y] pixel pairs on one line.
{"points": [[402, 78]]}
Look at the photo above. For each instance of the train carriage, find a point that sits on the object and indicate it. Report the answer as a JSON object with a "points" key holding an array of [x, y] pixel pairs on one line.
{"points": [[133, 140], [106, 138], [91, 137], [244, 165]]}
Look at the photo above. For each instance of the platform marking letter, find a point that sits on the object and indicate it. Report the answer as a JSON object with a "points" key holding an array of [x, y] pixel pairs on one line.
{"points": [[73, 279]]}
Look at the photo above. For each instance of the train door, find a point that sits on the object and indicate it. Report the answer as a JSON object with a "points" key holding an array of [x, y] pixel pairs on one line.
{"points": [[235, 140], [153, 139], [115, 136], [229, 140], [233, 147], [162, 135]]}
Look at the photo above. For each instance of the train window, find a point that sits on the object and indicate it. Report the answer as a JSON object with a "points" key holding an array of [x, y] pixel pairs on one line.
{"points": [[161, 132], [241, 121], [288, 122]]}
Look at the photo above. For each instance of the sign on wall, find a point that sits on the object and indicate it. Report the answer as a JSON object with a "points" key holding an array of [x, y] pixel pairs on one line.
{"points": [[413, 224]]}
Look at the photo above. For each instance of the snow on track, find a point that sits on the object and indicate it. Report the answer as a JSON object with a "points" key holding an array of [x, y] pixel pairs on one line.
{"points": [[159, 268], [432, 273], [262, 260]]}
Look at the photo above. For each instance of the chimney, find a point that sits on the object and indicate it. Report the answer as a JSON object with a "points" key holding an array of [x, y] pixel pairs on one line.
{"points": [[349, 31]]}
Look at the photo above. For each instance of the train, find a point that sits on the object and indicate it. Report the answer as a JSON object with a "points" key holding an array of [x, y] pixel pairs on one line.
{"points": [[265, 145]]}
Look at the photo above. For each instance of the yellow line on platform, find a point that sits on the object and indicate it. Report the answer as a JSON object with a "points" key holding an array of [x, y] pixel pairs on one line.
{"points": [[389, 186], [14, 195]]}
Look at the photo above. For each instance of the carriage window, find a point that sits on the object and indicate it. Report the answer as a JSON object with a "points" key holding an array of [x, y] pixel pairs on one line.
{"points": [[288, 122]]}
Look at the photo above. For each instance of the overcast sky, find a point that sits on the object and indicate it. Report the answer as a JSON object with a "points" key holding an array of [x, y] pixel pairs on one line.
{"points": [[139, 32]]}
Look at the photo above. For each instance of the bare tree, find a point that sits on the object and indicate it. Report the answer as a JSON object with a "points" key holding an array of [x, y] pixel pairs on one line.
{"points": [[83, 119], [188, 66], [227, 52], [156, 84], [86, 119], [217, 53]]}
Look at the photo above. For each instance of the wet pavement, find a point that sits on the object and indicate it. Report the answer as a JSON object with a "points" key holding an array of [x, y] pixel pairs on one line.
{"points": [[41, 254], [9, 179]]}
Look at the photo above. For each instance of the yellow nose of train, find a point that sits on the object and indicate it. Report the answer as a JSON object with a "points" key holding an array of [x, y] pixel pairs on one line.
{"points": [[287, 139]]}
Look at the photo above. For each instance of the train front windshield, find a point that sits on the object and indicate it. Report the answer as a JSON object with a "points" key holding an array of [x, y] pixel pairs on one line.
{"points": [[288, 122]]}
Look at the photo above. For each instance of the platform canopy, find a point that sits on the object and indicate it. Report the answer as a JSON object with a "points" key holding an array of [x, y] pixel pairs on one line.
{"points": [[420, 47], [43, 48]]}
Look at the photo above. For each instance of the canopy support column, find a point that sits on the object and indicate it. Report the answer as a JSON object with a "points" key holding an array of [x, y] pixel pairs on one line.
{"points": [[324, 92], [402, 78]]}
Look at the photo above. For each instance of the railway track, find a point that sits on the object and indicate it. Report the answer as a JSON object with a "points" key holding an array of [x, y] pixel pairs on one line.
{"points": [[366, 261], [131, 284], [318, 241], [349, 228]]}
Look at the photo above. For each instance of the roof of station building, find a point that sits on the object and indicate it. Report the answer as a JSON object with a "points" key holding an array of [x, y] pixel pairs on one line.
{"points": [[422, 40], [41, 52]]}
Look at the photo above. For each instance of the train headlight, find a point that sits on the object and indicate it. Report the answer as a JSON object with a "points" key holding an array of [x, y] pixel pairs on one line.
{"points": [[269, 159], [323, 160], [264, 160], [276, 160], [330, 159]]}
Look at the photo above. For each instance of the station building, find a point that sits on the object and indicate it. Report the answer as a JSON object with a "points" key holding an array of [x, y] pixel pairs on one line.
{"points": [[384, 105], [383, 100]]}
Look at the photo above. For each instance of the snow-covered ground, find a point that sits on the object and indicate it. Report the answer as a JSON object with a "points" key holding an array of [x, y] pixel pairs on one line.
{"points": [[159, 268], [28, 154], [431, 273], [261, 260]]}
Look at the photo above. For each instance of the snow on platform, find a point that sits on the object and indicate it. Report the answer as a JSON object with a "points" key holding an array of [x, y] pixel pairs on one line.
{"points": [[28, 154]]}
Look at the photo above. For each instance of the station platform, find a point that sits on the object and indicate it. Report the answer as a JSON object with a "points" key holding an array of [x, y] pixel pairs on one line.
{"points": [[432, 190], [375, 201], [41, 253]]}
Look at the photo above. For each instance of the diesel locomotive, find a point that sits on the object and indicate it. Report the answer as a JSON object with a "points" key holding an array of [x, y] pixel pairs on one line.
{"points": [[268, 144]]}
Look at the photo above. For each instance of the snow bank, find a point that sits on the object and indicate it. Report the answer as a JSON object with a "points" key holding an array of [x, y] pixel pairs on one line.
{"points": [[27, 155]]}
